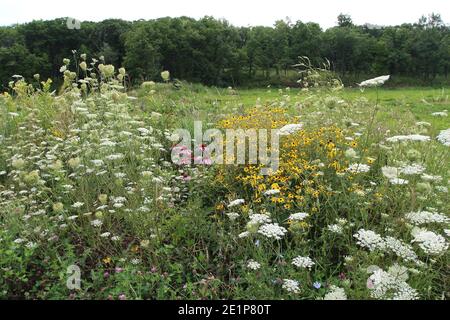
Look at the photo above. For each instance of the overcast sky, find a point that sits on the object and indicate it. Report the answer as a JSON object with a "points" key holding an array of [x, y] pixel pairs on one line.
{"points": [[238, 12]]}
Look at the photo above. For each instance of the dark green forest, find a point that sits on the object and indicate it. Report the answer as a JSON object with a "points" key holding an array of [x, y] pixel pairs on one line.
{"points": [[214, 52]]}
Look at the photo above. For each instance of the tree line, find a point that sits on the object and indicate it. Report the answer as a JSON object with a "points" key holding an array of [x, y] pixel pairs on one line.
{"points": [[214, 52]]}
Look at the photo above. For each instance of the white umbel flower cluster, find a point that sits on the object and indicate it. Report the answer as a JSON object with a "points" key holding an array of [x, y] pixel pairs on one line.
{"points": [[299, 216], [393, 172], [303, 262], [430, 242], [375, 82], [335, 228], [411, 137], [290, 129], [398, 181], [291, 285], [440, 114], [423, 217], [258, 219], [272, 230], [373, 241], [271, 192], [232, 215], [412, 169], [370, 240], [335, 293], [401, 249], [444, 137], [385, 286], [236, 202], [253, 265], [358, 168]]}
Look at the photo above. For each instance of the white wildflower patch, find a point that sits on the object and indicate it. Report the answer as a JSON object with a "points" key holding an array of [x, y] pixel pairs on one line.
{"points": [[444, 137], [253, 265], [303, 262], [272, 230], [430, 242], [335, 293], [370, 240], [232, 215], [412, 169], [386, 286], [244, 234], [358, 168], [424, 217], [411, 137], [236, 202], [375, 82], [271, 192], [398, 181], [96, 223], [259, 219], [291, 286], [401, 249], [290, 129], [440, 114], [335, 228], [299, 216], [390, 172]]}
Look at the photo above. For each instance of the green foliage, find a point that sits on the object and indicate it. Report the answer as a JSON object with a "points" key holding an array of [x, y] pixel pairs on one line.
{"points": [[213, 52]]}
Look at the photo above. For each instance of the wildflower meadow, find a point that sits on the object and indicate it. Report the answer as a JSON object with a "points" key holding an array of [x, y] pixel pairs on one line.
{"points": [[109, 191]]}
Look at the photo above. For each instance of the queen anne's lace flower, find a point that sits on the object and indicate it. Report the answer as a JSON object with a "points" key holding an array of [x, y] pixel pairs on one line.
{"points": [[401, 249], [272, 230], [390, 172], [399, 272], [335, 228], [232, 215], [252, 264], [358, 168], [370, 240], [258, 219], [398, 181], [385, 286], [412, 169], [440, 114], [290, 129], [299, 216], [444, 137], [423, 217], [236, 202], [335, 293], [375, 82], [244, 234], [373, 241], [291, 285], [96, 223], [430, 242], [411, 137], [271, 192], [303, 262]]}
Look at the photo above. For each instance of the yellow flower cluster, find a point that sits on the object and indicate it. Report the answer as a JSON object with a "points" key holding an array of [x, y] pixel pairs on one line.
{"points": [[257, 118], [310, 159]]}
